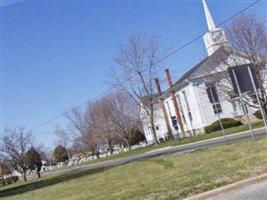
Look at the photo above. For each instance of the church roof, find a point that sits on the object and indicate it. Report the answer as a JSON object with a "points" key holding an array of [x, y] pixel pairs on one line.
{"points": [[206, 65]]}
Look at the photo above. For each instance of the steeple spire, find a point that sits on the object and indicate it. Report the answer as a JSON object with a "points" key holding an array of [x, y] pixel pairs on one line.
{"points": [[209, 19], [215, 37]]}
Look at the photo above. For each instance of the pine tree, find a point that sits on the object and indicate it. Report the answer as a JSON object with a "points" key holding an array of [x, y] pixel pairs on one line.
{"points": [[61, 154], [34, 160], [136, 136]]}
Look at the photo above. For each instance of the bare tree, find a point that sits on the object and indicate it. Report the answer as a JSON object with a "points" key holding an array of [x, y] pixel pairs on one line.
{"points": [[136, 63], [102, 125], [16, 142], [79, 147], [44, 152], [63, 138], [82, 130], [248, 35], [124, 114]]}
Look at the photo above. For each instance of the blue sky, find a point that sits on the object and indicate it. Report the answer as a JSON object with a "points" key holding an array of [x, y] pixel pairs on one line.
{"points": [[57, 54]]}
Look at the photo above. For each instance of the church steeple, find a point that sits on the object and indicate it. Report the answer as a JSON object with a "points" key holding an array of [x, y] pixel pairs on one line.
{"points": [[215, 37], [209, 19]]}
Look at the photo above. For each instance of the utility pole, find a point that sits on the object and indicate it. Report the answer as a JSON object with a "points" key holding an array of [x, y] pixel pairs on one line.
{"points": [[164, 109], [176, 107]]}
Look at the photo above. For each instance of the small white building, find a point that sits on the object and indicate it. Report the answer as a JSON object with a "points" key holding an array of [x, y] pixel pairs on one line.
{"points": [[192, 90], [159, 121]]}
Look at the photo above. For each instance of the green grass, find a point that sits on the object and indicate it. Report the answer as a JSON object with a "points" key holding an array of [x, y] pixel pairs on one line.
{"points": [[186, 140], [166, 177]]}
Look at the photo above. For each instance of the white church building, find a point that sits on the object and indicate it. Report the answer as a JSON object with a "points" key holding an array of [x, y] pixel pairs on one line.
{"points": [[196, 108]]}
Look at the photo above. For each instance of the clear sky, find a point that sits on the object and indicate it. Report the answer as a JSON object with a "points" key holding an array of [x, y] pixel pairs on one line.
{"points": [[57, 54]]}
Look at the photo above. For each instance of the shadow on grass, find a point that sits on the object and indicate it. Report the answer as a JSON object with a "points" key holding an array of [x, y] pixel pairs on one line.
{"points": [[47, 182]]}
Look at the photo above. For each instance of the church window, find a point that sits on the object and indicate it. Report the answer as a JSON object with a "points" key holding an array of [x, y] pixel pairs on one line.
{"points": [[217, 108], [214, 99]]}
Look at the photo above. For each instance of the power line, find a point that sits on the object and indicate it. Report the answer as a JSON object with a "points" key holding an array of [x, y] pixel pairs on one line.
{"points": [[157, 62], [164, 80]]}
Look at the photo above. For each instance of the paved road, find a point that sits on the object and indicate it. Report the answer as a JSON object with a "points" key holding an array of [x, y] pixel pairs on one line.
{"points": [[256, 191], [160, 152]]}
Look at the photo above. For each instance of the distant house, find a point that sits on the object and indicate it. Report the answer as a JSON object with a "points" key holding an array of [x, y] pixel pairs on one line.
{"points": [[192, 90], [159, 122]]}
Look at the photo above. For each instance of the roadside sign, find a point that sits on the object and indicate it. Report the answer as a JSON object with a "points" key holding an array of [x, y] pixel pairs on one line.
{"points": [[243, 78]]}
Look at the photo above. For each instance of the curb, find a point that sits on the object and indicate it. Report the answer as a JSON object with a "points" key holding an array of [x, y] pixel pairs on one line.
{"points": [[226, 188]]}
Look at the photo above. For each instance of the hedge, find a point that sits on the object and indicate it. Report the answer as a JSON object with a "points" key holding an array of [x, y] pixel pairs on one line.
{"points": [[227, 123], [10, 179], [258, 114]]}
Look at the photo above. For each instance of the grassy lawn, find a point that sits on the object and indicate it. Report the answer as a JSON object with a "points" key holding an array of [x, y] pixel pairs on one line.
{"points": [[166, 177], [187, 140]]}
